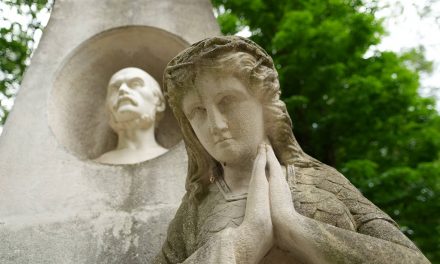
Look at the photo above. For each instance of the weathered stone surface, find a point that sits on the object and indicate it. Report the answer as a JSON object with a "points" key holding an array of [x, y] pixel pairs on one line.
{"points": [[56, 204]]}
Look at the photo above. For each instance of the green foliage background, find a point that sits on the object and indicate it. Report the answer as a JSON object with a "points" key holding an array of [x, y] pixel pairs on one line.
{"points": [[360, 115], [16, 45]]}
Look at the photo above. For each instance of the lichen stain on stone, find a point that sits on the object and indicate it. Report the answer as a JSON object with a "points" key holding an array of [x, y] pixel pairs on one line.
{"points": [[113, 226]]}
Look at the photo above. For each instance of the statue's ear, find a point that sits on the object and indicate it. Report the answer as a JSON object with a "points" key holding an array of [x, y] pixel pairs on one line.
{"points": [[160, 105]]}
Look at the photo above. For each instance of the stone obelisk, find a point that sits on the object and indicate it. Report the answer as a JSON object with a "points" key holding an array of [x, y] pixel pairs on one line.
{"points": [[56, 204]]}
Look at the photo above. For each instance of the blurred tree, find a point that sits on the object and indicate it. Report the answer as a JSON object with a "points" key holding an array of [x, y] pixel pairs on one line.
{"points": [[16, 45], [360, 114]]}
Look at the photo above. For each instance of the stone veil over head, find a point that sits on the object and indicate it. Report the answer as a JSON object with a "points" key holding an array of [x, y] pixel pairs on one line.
{"points": [[254, 67]]}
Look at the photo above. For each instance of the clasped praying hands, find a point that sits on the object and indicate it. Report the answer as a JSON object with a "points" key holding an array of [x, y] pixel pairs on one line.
{"points": [[270, 215]]}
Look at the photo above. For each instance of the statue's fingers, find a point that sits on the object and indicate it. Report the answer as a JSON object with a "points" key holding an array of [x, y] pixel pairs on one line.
{"points": [[258, 171], [279, 190], [258, 182], [273, 163], [257, 206]]}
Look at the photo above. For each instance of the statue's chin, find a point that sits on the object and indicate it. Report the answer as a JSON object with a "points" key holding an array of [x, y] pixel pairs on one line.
{"points": [[144, 121], [233, 152]]}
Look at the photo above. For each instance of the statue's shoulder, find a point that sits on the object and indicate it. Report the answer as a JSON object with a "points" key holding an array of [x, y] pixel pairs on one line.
{"points": [[325, 194], [321, 204], [323, 177]]}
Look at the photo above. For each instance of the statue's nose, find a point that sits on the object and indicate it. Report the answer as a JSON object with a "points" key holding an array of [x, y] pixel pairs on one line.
{"points": [[218, 124]]}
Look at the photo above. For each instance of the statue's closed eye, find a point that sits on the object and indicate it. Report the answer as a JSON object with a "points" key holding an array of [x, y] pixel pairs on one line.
{"points": [[226, 100], [197, 111]]}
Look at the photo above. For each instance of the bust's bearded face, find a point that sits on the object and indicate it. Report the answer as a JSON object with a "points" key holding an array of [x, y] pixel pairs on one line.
{"points": [[226, 118], [130, 96]]}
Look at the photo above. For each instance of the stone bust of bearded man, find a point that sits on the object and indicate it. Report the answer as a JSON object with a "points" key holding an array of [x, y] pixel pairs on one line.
{"points": [[135, 103]]}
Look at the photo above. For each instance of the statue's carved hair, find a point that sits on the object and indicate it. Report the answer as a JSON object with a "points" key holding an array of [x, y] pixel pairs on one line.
{"points": [[253, 66]]}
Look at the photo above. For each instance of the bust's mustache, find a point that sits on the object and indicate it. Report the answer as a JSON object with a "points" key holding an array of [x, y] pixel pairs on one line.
{"points": [[125, 98]]}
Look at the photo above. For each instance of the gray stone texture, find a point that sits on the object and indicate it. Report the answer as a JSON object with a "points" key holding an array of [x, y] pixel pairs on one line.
{"points": [[58, 206]]}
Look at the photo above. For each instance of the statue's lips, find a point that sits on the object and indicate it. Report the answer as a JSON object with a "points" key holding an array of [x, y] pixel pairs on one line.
{"points": [[222, 140]]}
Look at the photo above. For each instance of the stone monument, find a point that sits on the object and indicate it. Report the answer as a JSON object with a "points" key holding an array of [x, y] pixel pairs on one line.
{"points": [[135, 103], [253, 195], [58, 205]]}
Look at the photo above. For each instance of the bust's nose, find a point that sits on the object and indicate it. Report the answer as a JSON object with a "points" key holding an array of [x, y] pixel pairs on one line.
{"points": [[123, 89]]}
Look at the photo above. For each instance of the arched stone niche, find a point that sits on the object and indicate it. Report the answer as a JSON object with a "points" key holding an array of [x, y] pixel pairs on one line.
{"points": [[76, 104]]}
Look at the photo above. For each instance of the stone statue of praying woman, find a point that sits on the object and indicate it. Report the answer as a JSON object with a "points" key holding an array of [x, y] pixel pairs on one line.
{"points": [[253, 195]]}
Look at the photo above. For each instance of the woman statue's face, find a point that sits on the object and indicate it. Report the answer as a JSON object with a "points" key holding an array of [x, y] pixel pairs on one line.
{"points": [[226, 118]]}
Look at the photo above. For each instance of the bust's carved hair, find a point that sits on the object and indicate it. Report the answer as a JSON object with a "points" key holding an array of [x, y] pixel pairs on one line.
{"points": [[254, 67]]}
